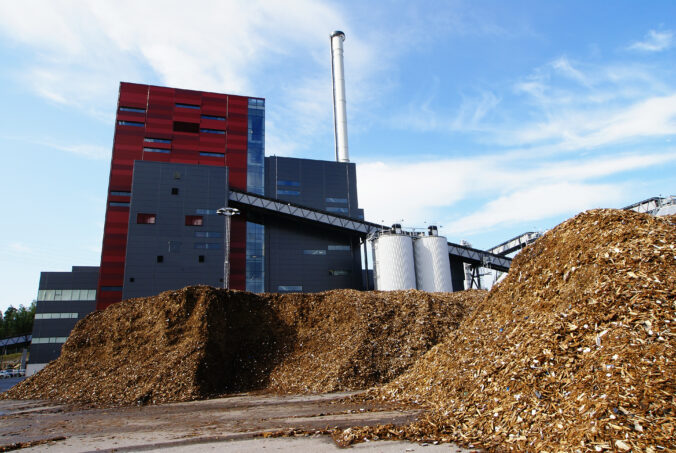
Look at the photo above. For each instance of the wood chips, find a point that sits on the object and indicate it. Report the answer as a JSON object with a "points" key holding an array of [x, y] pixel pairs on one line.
{"points": [[573, 351], [201, 342]]}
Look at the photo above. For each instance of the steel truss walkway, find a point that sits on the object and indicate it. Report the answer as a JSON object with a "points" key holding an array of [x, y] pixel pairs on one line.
{"points": [[514, 244], [362, 228]]}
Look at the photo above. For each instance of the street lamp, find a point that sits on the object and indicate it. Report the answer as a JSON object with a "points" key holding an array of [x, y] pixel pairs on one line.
{"points": [[228, 213]]}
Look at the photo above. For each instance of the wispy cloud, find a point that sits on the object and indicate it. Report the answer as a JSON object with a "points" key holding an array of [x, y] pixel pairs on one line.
{"points": [[429, 191], [87, 150], [654, 41]]}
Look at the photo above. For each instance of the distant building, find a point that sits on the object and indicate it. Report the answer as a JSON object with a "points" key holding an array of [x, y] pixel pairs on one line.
{"points": [[63, 299]]}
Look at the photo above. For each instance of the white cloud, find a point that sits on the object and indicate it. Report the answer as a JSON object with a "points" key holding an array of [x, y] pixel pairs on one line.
{"points": [[428, 191], [654, 41], [536, 203]]}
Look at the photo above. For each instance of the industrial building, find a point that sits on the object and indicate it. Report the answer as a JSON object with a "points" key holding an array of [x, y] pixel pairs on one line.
{"points": [[181, 156]]}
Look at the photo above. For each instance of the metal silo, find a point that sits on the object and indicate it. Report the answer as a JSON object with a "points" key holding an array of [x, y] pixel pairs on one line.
{"points": [[432, 266], [393, 262]]}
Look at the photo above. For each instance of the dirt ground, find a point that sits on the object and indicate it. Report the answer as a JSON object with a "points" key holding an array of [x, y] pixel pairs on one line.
{"points": [[236, 423]]}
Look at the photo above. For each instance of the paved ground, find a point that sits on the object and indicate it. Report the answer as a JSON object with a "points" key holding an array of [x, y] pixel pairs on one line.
{"points": [[6, 384], [226, 424]]}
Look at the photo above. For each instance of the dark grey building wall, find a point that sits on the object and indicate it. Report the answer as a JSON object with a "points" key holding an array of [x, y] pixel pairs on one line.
{"points": [[56, 313], [302, 256], [171, 192]]}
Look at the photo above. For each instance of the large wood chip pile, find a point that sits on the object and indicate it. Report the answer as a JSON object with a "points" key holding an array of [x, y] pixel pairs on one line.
{"points": [[200, 341], [573, 351]]}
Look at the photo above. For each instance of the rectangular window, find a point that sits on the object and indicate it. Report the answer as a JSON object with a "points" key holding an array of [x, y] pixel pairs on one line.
{"points": [[156, 140], [174, 246], [289, 288], [119, 204], [213, 117], [183, 126], [340, 248], [160, 258], [314, 252], [111, 288], [174, 190], [337, 210], [208, 245], [282, 182], [56, 316], [206, 211], [131, 123], [200, 259], [132, 109], [187, 106], [288, 192], [156, 150], [208, 234], [147, 219], [121, 194], [336, 200], [194, 220], [212, 131], [339, 272], [204, 153]]}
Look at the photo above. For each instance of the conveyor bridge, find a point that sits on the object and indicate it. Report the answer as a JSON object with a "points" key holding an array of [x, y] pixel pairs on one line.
{"points": [[250, 201]]}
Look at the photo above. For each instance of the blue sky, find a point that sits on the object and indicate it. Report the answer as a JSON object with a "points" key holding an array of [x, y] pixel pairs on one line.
{"points": [[487, 117]]}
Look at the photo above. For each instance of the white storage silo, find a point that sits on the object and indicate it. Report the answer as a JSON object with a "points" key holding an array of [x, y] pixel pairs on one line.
{"points": [[393, 262], [432, 266]]}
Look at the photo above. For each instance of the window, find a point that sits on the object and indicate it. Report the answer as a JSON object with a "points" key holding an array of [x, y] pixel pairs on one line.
{"points": [[336, 200], [340, 248], [208, 245], [177, 175], [56, 316], [282, 182], [156, 150], [131, 123], [256, 102], [213, 117], [187, 106], [212, 131], [120, 194], [49, 340], [204, 153], [314, 252], [183, 126], [339, 272], [132, 279], [208, 234], [132, 109], [174, 190], [200, 259], [337, 210], [288, 192], [206, 211], [156, 140], [119, 204], [289, 288], [174, 246], [194, 220], [160, 258], [147, 219]]}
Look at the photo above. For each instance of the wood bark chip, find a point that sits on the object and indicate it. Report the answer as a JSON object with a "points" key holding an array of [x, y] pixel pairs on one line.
{"points": [[577, 342]]}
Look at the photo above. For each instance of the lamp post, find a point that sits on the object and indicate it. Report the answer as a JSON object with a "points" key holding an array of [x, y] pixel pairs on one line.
{"points": [[228, 213]]}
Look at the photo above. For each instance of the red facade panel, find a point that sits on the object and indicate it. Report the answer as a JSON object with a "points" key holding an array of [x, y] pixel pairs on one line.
{"points": [[161, 110]]}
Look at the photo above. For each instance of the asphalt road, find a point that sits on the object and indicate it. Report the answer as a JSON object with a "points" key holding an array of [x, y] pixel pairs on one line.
{"points": [[6, 384]]}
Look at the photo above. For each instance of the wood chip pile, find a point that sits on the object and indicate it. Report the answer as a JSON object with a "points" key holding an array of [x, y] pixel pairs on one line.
{"points": [[200, 342], [573, 351]]}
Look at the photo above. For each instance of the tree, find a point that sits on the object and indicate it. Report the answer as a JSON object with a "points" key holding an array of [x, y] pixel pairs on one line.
{"points": [[17, 322]]}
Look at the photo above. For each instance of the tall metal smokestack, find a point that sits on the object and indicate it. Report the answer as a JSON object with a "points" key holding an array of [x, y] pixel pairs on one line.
{"points": [[339, 102]]}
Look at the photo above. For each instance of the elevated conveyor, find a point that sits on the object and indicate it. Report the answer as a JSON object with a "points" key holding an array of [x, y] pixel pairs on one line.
{"points": [[254, 202]]}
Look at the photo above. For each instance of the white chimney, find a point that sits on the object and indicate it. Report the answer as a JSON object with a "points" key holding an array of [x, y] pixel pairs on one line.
{"points": [[339, 102]]}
